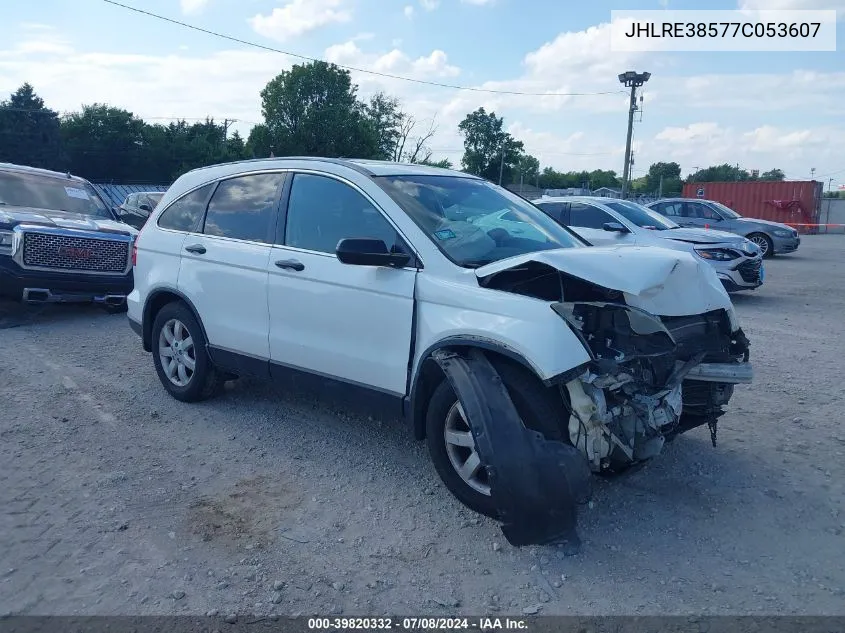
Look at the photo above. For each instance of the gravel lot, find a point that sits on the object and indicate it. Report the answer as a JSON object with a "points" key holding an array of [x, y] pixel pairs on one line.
{"points": [[117, 499]]}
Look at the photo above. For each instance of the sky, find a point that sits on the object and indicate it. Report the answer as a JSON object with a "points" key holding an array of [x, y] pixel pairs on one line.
{"points": [[759, 110]]}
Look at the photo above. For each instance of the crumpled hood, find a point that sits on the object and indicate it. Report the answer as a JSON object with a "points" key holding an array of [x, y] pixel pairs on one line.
{"points": [[766, 222], [701, 236], [13, 216], [661, 281]]}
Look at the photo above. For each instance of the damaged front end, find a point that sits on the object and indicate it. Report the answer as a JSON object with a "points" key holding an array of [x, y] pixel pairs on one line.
{"points": [[649, 379]]}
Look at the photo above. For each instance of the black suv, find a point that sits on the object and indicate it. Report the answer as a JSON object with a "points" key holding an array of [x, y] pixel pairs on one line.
{"points": [[59, 242]]}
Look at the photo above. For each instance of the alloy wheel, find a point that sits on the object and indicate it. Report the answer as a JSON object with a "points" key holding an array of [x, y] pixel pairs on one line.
{"points": [[460, 448], [177, 353], [762, 243]]}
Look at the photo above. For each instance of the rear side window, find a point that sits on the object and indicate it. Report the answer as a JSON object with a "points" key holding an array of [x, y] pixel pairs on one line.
{"points": [[244, 208], [587, 217], [185, 214], [672, 209]]}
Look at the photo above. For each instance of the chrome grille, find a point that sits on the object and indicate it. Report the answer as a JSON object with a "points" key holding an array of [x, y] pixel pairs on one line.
{"points": [[63, 252]]}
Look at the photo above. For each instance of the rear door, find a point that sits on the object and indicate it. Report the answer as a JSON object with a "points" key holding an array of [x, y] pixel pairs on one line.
{"points": [[699, 215], [224, 264], [351, 323]]}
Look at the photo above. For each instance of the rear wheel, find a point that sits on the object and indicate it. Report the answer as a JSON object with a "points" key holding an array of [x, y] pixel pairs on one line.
{"points": [[451, 444], [767, 248], [180, 356]]}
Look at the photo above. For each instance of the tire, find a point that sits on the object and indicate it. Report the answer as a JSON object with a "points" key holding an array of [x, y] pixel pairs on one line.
{"points": [[205, 380], [765, 243], [540, 408]]}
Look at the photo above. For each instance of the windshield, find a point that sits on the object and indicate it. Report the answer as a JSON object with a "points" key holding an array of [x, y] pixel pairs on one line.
{"points": [[730, 213], [641, 216], [474, 222], [55, 194]]}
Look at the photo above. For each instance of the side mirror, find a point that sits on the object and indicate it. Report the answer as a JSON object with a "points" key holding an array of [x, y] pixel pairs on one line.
{"points": [[145, 207], [615, 227], [366, 251]]}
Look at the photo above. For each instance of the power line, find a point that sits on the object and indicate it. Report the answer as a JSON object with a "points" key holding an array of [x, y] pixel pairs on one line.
{"points": [[353, 68]]}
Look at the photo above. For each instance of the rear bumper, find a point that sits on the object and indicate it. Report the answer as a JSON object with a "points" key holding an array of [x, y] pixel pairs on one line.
{"points": [[16, 282]]}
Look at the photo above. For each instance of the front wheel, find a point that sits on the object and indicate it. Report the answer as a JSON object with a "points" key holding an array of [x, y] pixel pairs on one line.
{"points": [[180, 356], [452, 446], [764, 242]]}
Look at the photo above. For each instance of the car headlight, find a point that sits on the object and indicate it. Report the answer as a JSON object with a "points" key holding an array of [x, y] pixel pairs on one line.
{"points": [[6, 238], [782, 233], [717, 254]]}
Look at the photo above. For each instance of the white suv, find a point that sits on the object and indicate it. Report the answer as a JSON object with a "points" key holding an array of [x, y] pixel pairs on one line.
{"points": [[380, 275]]}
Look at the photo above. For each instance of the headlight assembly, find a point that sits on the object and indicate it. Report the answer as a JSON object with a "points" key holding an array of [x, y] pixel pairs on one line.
{"points": [[782, 233], [717, 254], [6, 238]]}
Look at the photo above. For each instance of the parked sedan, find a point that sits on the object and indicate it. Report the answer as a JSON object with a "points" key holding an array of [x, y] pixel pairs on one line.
{"points": [[137, 207], [605, 221], [773, 238]]}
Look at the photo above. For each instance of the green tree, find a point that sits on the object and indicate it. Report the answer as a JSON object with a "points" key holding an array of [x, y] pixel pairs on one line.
{"points": [[258, 144], [312, 110], [386, 117], [104, 143], [528, 169], [670, 173], [443, 163], [488, 149], [719, 173], [773, 174], [29, 131]]}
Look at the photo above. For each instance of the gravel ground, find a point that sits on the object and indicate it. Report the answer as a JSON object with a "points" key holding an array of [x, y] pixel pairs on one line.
{"points": [[117, 499]]}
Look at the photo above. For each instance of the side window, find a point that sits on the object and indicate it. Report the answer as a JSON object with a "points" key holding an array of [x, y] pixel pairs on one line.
{"points": [[322, 211], [510, 216], [552, 209], [671, 209], [185, 214], [587, 216], [709, 213], [243, 208]]}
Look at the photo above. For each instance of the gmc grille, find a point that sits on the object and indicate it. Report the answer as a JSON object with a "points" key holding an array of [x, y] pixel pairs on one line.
{"points": [[87, 254]]}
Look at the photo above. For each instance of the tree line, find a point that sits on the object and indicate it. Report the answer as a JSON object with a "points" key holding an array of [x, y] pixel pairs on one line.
{"points": [[313, 109]]}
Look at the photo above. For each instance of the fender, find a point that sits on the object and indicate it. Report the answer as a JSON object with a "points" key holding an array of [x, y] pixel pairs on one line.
{"points": [[147, 325], [535, 483], [414, 406]]}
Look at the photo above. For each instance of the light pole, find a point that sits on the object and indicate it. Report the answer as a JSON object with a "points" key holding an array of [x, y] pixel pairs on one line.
{"points": [[632, 80]]}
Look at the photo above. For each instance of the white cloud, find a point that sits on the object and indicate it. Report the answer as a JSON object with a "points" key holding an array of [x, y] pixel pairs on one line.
{"points": [[478, 3], [394, 62], [298, 17], [409, 11], [429, 5], [193, 6]]}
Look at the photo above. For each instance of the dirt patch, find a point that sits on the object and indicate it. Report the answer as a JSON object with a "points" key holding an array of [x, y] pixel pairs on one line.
{"points": [[251, 512]]}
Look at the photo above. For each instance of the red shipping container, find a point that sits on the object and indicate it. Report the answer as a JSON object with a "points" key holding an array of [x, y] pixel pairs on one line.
{"points": [[788, 202]]}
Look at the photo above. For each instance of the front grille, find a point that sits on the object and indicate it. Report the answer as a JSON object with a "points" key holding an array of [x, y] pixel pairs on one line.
{"points": [[62, 252], [750, 271]]}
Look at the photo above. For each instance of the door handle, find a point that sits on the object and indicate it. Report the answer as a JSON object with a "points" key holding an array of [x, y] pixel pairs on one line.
{"points": [[199, 249], [291, 264]]}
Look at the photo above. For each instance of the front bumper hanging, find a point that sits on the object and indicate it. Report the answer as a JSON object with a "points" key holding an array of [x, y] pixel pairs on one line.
{"points": [[535, 483]]}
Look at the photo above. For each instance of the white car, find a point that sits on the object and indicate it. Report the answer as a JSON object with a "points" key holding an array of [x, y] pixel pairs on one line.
{"points": [[353, 271], [605, 221]]}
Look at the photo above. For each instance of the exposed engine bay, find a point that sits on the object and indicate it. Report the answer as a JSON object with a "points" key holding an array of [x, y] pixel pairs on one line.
{"points": [[650, 377]]}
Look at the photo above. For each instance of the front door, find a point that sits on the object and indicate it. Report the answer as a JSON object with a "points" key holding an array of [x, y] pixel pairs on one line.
{"points": [[348, 322]]}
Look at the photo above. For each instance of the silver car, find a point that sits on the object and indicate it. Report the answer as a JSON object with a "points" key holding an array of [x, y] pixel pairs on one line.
{"points": [[605, 221], [773, 238]]}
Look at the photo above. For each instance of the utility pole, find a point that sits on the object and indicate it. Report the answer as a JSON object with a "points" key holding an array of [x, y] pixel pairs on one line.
{"points": [[660, 189], [502, 163], [812, 173], [633, 80]]}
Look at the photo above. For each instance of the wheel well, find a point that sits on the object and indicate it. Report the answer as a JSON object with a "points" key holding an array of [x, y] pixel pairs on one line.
{"points": [[430, 376], [154, 305]]}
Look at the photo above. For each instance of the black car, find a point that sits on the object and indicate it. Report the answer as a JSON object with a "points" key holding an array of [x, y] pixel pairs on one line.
{"points": [[59, 242], [137, 207]]}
